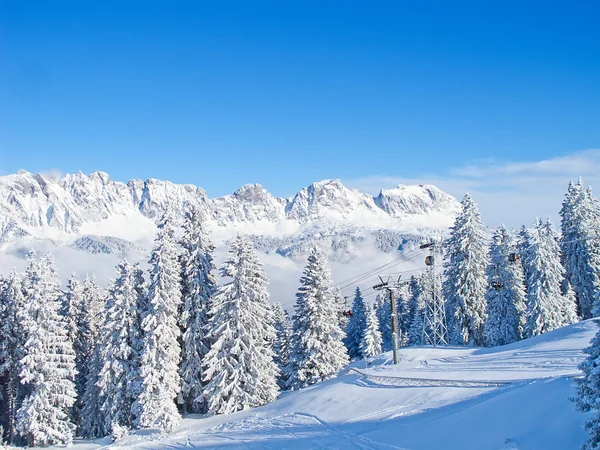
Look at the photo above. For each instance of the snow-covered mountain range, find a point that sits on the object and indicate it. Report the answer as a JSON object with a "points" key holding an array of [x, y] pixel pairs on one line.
{"points": [[47, 207], [90, 222]]}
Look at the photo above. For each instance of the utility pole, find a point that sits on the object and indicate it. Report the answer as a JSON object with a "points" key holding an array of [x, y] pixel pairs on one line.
{"points": [[434, 325], [389, 286]]}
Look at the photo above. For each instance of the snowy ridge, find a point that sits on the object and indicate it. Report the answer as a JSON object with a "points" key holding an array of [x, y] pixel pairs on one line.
{"points": [[45, 206], [419, 199]]}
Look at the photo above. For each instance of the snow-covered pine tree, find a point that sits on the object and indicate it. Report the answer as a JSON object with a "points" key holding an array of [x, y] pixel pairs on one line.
{"points": [[94, 301], [413, 290], [318, 352], [12, 302], [92, 306], [141, 287], [588, 392], [371, 342], [281, 345], [522, 246], [48, 364], [506, 292], [417, 302], [78, 333], [580, 245], [546, 274], [569, 305], [71, 310], [384, 317], [340, 301], [93, 422], [239, 368], [402, 296], [465, 283], [357, 325], [161, 353], [119, 358], [198, 285]]}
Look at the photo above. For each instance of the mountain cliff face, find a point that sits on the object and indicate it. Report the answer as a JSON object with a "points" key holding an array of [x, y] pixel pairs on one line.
{"points": [[421, 199], [61, 209]]}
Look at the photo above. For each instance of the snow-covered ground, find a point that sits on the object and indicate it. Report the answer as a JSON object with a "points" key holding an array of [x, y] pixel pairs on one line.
{"points": [[511, 397]]}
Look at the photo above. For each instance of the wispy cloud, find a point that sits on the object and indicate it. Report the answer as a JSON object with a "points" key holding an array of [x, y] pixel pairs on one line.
{"points": [[512, 193], [52, 174]]}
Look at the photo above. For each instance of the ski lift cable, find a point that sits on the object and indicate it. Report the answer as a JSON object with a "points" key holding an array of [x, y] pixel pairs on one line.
{"points": [[352, 280], [376, 269], [373, 273]]}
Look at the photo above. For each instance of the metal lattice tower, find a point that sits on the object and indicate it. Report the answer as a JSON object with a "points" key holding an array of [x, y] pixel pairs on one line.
{"points": [[435, 331]]}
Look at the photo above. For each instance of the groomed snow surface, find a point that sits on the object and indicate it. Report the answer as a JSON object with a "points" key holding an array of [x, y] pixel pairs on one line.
{"points": [[454, 398]]}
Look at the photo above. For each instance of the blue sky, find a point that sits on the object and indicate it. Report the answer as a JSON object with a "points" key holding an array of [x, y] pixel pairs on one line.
{"points": [[285, 93]]}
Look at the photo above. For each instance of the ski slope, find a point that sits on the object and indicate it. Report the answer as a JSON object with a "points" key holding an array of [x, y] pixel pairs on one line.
{"points": [[510, 397]]}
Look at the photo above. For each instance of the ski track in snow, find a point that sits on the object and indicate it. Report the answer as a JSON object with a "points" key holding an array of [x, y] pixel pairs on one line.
{"points": [[514, 398]]}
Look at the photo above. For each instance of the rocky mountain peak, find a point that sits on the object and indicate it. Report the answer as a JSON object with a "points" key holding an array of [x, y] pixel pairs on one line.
{"points": [[31, 203]]}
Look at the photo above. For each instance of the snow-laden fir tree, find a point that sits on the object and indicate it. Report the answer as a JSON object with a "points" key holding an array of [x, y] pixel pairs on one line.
{"points": [[12, 302], [545, 276], [318, 352], [402, 296], [78, 332], [119, 358], [384, 317], [93, 423], [71, 310], [281, 345], [506, 292], [160, 355], [141, 288], [357, 325], [198, 285], [569, 305], [465, 284], [522, 246], [371, 342], [239, 368], [580, 245], [48, 363], [413, 291], [341, 301], [588, 392], [92, 299], [417, 306]]}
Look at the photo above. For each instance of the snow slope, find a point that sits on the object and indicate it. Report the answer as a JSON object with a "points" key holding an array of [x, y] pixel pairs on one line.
{"points": [[455, 398]]}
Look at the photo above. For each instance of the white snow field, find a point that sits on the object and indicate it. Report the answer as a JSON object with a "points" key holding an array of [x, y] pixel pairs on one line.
{"points": [[456, 398]]}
